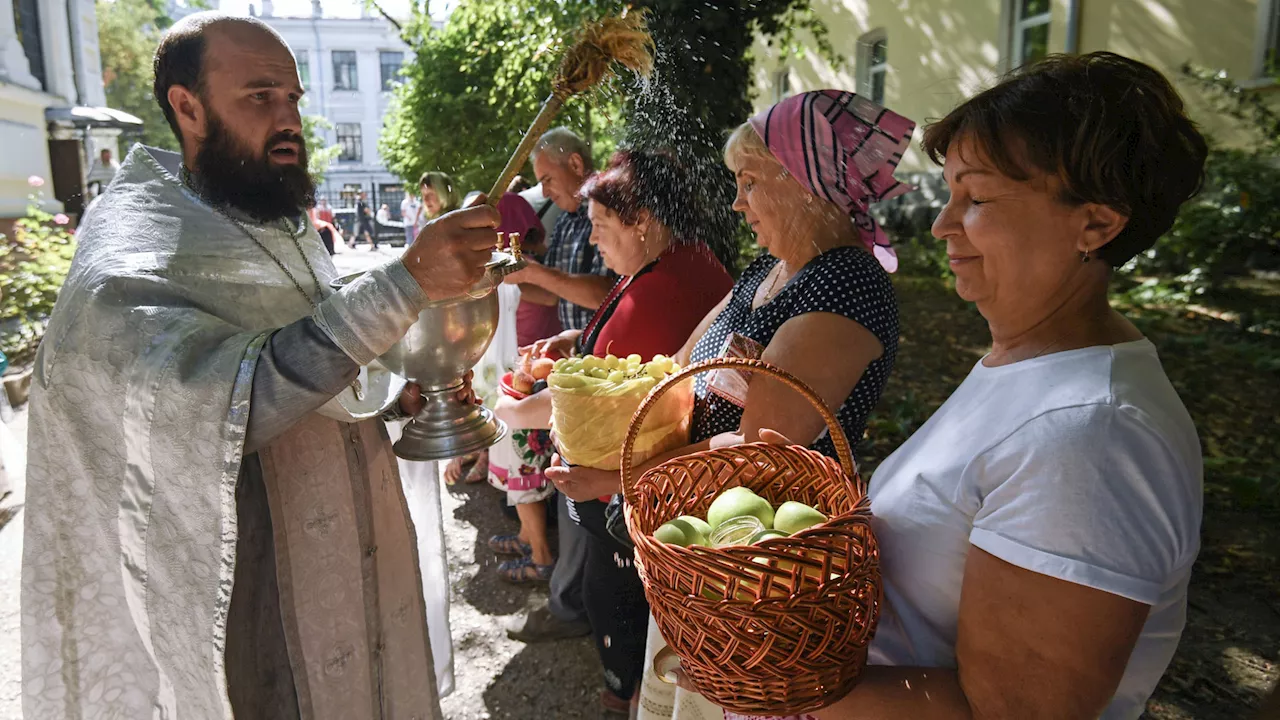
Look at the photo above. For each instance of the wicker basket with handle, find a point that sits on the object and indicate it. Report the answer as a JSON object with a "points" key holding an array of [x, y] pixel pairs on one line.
{"points": [[780, 627]]}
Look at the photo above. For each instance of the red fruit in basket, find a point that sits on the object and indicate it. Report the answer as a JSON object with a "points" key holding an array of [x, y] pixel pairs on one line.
{"points": [[542, 368], [522, 381], [525, 364]]}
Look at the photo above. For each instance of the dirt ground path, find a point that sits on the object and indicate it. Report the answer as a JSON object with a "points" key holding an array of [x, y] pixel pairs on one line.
{"points": [[497, 677]]}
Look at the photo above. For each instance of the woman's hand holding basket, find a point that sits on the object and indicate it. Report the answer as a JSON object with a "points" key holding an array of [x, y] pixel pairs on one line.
{"points": [[593, 400], [779, 627]]}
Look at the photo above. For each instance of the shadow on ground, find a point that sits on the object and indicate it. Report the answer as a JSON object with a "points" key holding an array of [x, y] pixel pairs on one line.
{"points": [[533, 684], [498, 678]]}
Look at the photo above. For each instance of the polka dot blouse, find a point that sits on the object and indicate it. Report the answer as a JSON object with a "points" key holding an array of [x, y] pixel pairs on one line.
{"points": [[846, 281]]}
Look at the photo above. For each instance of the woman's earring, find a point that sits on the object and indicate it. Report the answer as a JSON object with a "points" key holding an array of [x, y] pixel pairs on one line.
{"points": [[1084, 256]]}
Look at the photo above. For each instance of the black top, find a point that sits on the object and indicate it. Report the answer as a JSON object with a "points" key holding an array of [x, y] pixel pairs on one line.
{"points": [[846, 281]]}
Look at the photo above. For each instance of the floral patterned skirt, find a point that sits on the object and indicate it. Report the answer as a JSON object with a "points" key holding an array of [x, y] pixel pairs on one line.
{"points": [[516, 466]]}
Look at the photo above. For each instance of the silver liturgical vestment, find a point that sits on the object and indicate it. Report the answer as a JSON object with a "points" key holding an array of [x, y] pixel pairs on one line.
{"points": [[138, 420]]}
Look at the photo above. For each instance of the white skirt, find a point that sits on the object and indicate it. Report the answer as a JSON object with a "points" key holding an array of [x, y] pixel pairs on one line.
{"points": [[421, 481], [660, 700]]}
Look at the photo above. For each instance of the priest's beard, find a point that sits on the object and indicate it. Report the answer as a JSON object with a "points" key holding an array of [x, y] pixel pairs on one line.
{"points": [[231, 174]]}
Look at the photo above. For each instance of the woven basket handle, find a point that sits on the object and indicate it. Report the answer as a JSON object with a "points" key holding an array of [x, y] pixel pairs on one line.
{"points": [[843, 451]]}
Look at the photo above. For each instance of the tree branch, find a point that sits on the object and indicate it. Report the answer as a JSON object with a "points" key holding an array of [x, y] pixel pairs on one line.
{"points": [[395, 23]]}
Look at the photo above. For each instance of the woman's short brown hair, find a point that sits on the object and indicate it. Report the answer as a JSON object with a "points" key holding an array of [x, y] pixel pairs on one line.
{"points": [[1113, 130]]}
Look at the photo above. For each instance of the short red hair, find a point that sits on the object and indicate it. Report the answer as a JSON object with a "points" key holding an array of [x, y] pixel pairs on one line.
{"points": [[636, 181]]}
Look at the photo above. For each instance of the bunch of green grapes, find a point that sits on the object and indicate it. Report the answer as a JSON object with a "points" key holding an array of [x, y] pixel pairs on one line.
{"points": [[611, 369]]}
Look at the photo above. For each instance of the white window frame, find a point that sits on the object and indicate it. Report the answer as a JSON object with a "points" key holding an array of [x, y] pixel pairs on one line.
{"points": [[1267, 41], [345, 141], [1018, 27], [355, 71], [387, 84], [781, 84], [865, 70], [302, 58]]}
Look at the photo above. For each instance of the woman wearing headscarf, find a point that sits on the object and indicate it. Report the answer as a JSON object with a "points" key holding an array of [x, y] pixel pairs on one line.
{"points": [[818, 303], [1037, 534]]}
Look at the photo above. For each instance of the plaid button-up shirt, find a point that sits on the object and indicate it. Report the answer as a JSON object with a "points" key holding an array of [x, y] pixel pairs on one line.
{"points": [[570, 251]]}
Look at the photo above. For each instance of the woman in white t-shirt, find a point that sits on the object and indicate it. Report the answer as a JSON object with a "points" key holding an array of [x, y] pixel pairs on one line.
{"points": [[1037, 533]]}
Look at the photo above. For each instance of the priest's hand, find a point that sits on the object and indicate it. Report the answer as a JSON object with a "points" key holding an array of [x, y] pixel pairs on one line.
{"points": [[411, 402], [449, 255]]}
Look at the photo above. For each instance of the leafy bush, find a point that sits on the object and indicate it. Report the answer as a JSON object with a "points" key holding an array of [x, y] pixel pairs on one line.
{"points": [[1233, 225], [33, 265]]}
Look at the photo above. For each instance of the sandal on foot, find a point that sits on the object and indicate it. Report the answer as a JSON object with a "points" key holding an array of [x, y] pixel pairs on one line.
{"points": [[479, 471], [524, 570], [509, 545]]}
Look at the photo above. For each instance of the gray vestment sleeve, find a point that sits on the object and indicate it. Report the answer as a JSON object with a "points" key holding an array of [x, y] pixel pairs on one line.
{"points": [[300, 369], [305, 364]]}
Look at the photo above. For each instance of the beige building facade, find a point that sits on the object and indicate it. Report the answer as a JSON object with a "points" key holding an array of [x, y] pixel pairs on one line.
{"points": [[921, 58]]}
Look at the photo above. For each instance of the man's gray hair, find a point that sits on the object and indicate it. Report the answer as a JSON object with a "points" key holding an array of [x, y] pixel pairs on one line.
{"points": [[559, 143]]}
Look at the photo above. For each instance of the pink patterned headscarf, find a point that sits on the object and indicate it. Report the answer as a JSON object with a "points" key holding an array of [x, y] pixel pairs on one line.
{"points": [[844, 148]]}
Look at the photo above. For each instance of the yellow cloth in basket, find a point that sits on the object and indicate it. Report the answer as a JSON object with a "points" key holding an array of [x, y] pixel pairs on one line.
{"points": [[590, 419]]}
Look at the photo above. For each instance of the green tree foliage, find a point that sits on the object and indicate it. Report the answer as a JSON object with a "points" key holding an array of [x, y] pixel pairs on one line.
{"points": [[33, 265], [1233, 225], [476, 84], [128, 33], [320, 155]]}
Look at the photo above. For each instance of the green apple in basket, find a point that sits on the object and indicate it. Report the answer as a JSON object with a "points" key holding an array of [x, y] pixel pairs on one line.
{"points": [[791, 517], [684, 531], [737, 502]]}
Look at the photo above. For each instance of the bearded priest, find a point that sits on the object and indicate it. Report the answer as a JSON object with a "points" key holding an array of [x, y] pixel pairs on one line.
{"points": [[209, 532]]}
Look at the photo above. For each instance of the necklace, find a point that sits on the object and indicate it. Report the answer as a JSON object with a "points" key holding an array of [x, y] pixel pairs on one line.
{"points": [[189, 180], [773, 285]]}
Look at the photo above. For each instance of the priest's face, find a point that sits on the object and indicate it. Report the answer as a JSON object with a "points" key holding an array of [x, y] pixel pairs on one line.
{"points": [[252, 155]]}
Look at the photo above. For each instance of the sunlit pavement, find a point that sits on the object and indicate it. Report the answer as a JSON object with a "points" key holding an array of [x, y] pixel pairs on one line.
{"points": [[349, 260]]}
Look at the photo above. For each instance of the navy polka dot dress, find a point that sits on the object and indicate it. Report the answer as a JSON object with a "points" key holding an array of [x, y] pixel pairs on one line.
{"points": [[846, 281]]}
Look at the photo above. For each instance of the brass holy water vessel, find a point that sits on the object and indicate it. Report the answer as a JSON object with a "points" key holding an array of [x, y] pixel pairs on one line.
{"points": [[449, 337]]}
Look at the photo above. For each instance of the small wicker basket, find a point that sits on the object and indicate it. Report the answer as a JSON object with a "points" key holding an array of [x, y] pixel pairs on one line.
{"points": [[780, 627]]}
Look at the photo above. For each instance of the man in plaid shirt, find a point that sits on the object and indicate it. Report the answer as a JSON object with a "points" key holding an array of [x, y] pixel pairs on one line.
{"points": [[574, 278], [574, 275]]}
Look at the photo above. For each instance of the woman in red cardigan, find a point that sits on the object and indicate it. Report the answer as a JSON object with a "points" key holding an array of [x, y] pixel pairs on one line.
{"points": [[645, 225]]}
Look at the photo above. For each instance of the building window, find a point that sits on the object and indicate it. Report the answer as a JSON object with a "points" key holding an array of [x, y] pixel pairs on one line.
{"points": [[27, 15], [873, 65], [304, 69], [344, 70], [1271, 61], [391, 62], [1030, 31], [350, 142], [781, 84]]}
